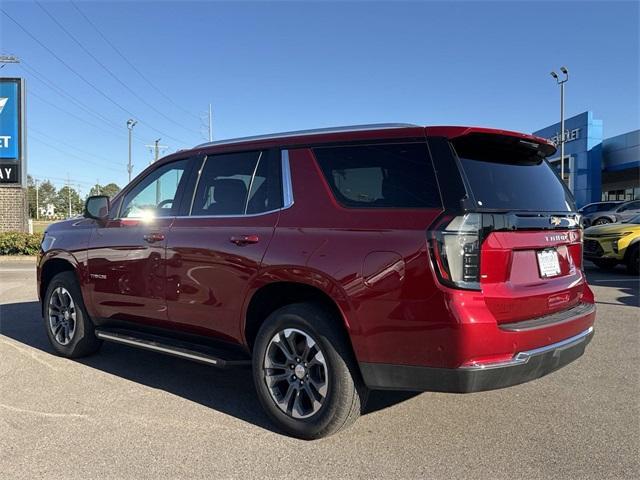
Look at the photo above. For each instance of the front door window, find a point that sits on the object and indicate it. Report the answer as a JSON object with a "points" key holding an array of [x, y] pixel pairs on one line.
{"points": [[155, 196]]}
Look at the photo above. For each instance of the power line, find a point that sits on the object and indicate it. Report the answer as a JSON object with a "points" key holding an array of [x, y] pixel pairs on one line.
{"points": [[43, 79], [42, 178], [109, 72], [97, 157], [82, 77], [116, 131], [57, 107], [144, 77], [66, 64], [74, 155]]}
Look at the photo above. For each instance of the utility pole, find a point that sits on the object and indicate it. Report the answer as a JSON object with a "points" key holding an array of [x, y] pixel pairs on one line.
{"points": [[69, 192], [130, 124], [156, 149], [562, 135], [210, 124], [37, 202]]}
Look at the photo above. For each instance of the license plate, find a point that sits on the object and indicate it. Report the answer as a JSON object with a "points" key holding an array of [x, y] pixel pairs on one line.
{"points": [[548, 263]]}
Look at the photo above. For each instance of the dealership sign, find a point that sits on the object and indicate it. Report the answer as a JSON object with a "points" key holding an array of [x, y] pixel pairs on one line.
{"points": [[11, 131], [569, 136]]}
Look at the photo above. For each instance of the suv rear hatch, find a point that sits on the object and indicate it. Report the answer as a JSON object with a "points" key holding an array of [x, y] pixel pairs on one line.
{"points": [[517, 237]]}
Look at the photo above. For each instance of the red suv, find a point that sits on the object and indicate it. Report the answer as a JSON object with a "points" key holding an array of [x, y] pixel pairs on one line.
{"points": [[333, 262]]}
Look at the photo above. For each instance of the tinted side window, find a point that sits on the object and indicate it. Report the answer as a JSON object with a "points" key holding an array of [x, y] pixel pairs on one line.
{"points": [[604, 207], [265, 193], [155, 195], [224, 183], [630, 206], [380, 176]]}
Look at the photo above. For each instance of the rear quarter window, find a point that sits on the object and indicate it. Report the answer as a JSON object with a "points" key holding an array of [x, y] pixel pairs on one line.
{"points": [[380, 176]]}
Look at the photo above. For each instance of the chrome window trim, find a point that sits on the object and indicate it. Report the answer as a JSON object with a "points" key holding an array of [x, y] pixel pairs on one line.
{"points": [[253, 177], [248, 215], [315, 131], [287, 186]]}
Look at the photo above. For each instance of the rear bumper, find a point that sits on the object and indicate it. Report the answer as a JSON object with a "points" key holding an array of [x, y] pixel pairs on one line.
{"points": [[523, 367]]}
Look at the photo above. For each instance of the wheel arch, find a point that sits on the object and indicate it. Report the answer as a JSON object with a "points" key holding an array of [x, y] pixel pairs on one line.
{"points": [[53, 264], [633, 245], [611, 218], [285, 289]]}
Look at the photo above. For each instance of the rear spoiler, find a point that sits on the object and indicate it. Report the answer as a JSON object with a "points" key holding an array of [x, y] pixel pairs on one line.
{"points": [[461, 135]]}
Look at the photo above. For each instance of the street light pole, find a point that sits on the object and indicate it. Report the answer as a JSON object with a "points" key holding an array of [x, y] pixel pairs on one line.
{"points": [[130, 124], [562, 135]]}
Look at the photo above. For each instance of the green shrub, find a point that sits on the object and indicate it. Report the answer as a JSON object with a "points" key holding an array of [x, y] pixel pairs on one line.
{"points": [[19, 243]]}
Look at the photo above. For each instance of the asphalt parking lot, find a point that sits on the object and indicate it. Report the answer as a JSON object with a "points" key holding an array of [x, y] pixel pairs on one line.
{"points": [[127, 413]]}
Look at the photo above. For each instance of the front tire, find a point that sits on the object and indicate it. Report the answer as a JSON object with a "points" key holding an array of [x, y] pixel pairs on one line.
{"points": [[68, 326], [633, 260], [605, 264], [304, 372]]}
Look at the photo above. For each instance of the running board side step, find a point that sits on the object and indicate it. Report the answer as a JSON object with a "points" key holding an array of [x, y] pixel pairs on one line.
{"points": [[197, 353]]}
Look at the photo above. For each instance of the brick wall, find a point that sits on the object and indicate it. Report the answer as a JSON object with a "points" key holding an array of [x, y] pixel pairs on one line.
{"points": [[13, 209]]}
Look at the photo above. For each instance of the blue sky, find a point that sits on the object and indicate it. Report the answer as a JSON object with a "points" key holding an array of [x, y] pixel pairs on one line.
{"points": [[273, 66]]}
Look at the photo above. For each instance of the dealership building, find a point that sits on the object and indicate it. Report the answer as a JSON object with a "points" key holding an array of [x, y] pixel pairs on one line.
{"points": [[596, 168]]}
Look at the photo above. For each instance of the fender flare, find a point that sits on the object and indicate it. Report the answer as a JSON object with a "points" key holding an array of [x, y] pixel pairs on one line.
{"points": [[56, 254]]}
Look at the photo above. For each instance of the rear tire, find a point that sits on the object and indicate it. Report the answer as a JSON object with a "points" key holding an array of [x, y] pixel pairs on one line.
{"points": [[633, 260], [605, 264], [69, 328], [305, 375]]}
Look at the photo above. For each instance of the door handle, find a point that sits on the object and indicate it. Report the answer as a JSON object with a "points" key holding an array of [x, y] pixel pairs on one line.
{"points": [[242, 240], [153, 237]]}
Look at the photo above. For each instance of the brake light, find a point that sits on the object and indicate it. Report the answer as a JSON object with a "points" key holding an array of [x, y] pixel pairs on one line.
{"points": [[455, 250]]}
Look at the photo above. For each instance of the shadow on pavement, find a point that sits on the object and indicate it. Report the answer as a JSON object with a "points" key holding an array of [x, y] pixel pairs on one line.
{"points": [[628, 285], [228, 391]]}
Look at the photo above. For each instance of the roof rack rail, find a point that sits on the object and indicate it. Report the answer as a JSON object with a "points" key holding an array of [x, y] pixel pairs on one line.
{"points": [[315, 131]]}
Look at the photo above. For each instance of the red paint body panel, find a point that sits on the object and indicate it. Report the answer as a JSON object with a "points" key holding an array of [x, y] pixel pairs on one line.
{"points": [[511, 283], [373, 263], [127, 273], [208, 275]]}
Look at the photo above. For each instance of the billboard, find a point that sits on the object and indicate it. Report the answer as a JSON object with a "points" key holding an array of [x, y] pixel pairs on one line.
{"points": [[12, 164]]}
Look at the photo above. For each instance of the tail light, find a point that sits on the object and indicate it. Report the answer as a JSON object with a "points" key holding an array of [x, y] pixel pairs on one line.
{"points": [[455, 251]]}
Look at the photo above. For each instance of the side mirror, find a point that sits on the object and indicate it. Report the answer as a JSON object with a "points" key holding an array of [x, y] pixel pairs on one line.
{"points": [[97, 207]]}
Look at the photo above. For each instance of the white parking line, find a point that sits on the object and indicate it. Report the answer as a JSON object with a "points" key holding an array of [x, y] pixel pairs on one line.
{"points": [[16, 270]]}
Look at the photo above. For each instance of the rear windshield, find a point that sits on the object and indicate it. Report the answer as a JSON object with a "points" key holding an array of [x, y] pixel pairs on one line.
{"points": [[380, 176], [504, 175], [503, 186]]}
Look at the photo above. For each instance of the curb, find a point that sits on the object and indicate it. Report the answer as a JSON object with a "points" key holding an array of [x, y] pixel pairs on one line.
{"points": [[18, 258]]}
